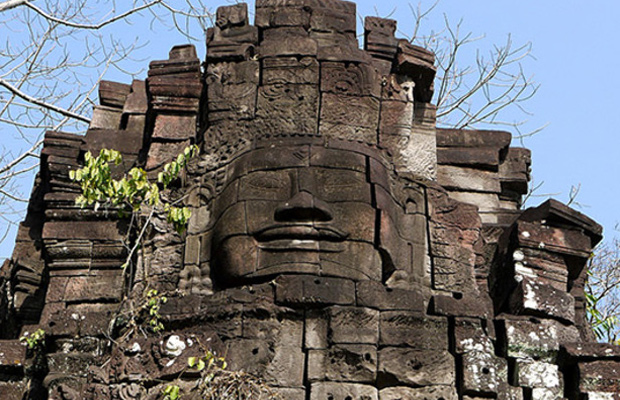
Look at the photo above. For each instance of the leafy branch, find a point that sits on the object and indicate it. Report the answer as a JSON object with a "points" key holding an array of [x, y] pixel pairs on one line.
{"points": [[128, 194]]}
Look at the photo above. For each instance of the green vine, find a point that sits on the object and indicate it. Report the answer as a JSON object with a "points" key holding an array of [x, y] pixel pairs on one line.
{"points": [[154, 301]]}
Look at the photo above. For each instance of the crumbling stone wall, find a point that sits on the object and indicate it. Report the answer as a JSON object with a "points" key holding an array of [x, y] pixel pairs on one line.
{"points": [[340, 246]]}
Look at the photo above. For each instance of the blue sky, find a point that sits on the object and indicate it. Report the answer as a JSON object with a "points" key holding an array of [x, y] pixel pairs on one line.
{"points": [[576, 64]]}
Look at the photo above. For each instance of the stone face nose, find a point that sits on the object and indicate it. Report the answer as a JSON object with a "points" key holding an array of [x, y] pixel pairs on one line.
{"points": [[303, 207]]}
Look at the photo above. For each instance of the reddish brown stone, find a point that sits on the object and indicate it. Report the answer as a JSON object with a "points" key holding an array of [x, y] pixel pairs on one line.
{"points": [[100, 230], [379, 37], [478, 157], [113, 94], [12, 355], [376, 295], [174, 127], [599, 376], [162, 153], [300, 290], [417, 331]]}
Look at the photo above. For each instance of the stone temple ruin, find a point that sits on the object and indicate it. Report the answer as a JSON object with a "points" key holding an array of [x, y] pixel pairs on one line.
{"points": [[341, 247]]}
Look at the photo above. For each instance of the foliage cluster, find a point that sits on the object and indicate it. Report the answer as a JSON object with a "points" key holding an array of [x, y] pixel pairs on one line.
{"points": [[34, 340], [132, 191]]}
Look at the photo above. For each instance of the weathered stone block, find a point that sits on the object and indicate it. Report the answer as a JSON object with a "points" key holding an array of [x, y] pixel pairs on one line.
{"points": [[590, 351], [14, 389], [482, 157], [123, 141], [469, 335], [113, 94], [601, 396], [316, 328], [535, 298], [308, 290], [75, 364], [414, 330], [599, 376], [483, 372], [353, 325], [378, 296], [342, 391], [473, 138], [349, 117], [287, 366], [349, 79], [484, 201], [416, 367], [288, 109], [538, 374], [232, 89], [94, 288], [174, 127], [162, 153], [507, 392], [290, 393], [287, 42], [137, 100], [546, 394], [467, 306], [343, 363], [278, 70], [454, 275], [12, 355], [428, 392], [538, 339], [105, 118], [468, 179]]}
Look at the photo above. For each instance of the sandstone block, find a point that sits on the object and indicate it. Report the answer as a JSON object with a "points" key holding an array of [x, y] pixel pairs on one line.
{"points": [[342, 391], [535, 298], [343, 363], [414, 330], [469, 335], [538, 374], [12, 355], [314, 290], [468, 179], [105, 118], [416, 367], [537, 338], [483, 372], [376, 295], [599, 376], [353, 325], [428, 393]]}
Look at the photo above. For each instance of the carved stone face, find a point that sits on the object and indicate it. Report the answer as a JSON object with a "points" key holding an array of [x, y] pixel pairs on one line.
{"points": [[304, 209]]}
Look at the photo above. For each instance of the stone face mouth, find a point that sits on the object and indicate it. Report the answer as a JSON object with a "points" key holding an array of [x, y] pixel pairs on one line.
{"points": [[302, 233], [301, 238]]}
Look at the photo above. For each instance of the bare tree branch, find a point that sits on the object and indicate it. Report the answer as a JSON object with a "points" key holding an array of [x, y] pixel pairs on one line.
{"points": [[7, 5], [89, 26], [38, 102]]}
